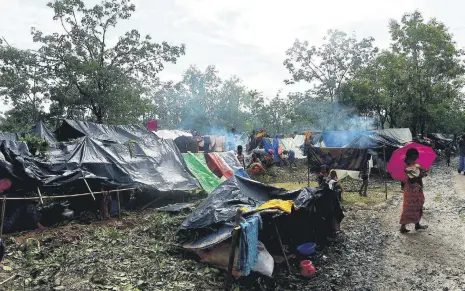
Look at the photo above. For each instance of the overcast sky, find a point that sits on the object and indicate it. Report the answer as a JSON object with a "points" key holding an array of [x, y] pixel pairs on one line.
{"points": [[243, 38]]}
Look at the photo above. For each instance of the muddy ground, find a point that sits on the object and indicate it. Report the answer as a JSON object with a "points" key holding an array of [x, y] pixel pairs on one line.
{"points": [[140, 252]]}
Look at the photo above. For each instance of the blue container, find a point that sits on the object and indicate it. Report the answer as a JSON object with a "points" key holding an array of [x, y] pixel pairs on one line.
{"points": [[306, 249]]}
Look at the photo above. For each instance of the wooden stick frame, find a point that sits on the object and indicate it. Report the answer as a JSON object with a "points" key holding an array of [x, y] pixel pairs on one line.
{"points": [[68, 196]]}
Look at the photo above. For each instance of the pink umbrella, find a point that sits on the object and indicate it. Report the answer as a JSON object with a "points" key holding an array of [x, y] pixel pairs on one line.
{"points": [[396, 164]]}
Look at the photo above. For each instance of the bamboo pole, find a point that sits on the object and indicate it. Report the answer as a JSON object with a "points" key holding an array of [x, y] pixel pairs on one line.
{"points": [[232, 254], [40, 196], [385, 169], [88, 187], [3, 216], [119, 206], [66, 196], [282, 247]]}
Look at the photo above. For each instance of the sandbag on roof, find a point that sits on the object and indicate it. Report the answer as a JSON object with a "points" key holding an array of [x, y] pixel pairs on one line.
{"points": [[198, 166], [238, 192]]}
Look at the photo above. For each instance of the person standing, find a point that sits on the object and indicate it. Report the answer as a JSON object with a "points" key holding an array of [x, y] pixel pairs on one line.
{"points": [[364, 175], [461, 154], [414, 198], [240, 156]]}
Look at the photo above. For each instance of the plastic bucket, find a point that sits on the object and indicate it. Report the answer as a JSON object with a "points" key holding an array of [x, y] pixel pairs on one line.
{"points": [[307, 248], [307, 269]]}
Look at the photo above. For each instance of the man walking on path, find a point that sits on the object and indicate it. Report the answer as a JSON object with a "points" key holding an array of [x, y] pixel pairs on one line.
{"points": [[461, 154]]}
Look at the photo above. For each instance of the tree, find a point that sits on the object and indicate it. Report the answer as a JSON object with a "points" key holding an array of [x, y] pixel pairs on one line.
{"points": [[23, 85], [378, 89], [108, 80], [330, 65], [203, 101], [433, 66]]}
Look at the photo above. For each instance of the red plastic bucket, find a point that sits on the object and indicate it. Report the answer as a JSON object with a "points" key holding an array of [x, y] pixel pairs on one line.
{"points": [[307, 269]]}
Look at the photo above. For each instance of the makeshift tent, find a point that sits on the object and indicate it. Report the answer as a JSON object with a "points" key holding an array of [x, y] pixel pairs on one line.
{"points": [[231, 160], [238, 192], [299, 216], [338, 139], [118, 155], [41, 130], [293, 144], [218, 166], [198, 166], [9, 136], [155, 165], [392, 137], [172, 134], [442, 141], [72, 129], [336, 158]]}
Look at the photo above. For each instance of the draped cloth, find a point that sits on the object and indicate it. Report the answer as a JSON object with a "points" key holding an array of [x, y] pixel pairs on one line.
{"points": [[414, 198]]}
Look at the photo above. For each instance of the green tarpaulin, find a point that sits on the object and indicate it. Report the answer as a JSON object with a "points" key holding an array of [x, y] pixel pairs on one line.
{"points": [[198, 167]]}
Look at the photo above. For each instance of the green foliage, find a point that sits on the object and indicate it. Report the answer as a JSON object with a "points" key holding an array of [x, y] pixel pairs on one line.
{"points": [[37, 146], [202, 101], [329, 66], [417, 83]]}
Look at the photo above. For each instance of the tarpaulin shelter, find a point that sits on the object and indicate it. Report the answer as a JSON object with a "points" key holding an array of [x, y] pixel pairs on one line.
{"points": [[72, 129], [154, 165], [231, 160], [238, 192], [41, 130], [172, 134], [299, 216], [391, 137], [9, 136], [336, 158], [218, 166], [118, 155], [339, 139], [441, 140]]}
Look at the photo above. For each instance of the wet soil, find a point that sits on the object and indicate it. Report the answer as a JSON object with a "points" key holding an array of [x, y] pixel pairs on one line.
{"points": [[140, 252]]}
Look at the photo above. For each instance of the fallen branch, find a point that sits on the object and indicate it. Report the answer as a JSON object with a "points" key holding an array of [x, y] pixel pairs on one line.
{"points": [[12, 277]]}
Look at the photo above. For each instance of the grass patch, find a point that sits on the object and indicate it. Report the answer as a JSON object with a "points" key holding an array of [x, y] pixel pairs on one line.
{"points": [[294, 186], [354, 199]]}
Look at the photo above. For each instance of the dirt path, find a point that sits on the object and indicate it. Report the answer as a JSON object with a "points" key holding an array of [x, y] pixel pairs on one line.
{"points": [[433, 259]]}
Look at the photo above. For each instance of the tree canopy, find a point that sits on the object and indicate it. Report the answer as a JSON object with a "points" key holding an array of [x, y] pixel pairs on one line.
{"points": [[83, 71]]}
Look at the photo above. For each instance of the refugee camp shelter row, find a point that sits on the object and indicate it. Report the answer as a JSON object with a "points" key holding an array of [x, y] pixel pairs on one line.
{"points": [[117, 156]]}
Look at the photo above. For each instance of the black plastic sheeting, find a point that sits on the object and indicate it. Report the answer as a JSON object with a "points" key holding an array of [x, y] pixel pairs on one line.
{"points": [[143, 161], [72, 129], [9, 136], [392, 137], [43, 132], [238, 192], [336, 158]]}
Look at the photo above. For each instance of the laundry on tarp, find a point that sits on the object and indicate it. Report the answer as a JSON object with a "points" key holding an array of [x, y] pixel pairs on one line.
{"points": [[248, 244], [300, 216], [198, 167], [218, 166], [231, 160]]}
